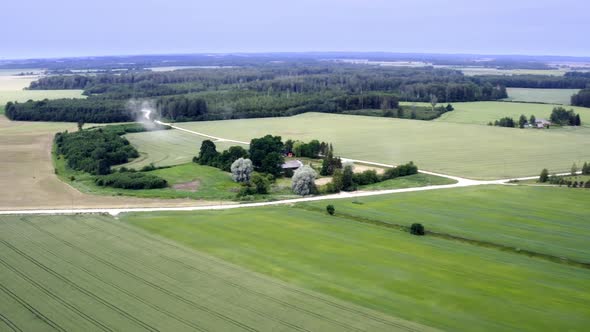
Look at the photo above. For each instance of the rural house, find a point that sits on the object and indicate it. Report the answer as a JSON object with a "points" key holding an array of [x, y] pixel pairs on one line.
{"points": [[292, 165]]}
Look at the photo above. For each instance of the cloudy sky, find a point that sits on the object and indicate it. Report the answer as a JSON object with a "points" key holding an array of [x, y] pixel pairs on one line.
{"points": [[43, 28]]}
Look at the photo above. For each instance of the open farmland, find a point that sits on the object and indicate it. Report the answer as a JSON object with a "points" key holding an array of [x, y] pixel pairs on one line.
{"points": [[482, 112], [90, 273], [549, 96], [552, 221], [165, 148], [464, 150], [434, 281], [28, 179], [12, 88]]}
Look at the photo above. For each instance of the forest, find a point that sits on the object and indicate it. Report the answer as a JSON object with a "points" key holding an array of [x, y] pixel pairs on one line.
{"points": [[582, 98]]}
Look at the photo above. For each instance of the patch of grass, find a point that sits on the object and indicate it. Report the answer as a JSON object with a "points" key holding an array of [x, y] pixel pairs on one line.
{"points": [[416, 180], [211, 183], [88, 273], [549, 96], [465, 150], [551, 221], [165, 149], [442, 283]]}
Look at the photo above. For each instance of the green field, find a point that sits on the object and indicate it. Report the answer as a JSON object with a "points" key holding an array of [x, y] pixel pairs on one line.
{"points": [[447, 284], [92, 273], [171, 147], [482, 112], [203, 182], [549, 96], [416, 180], [465, 150], [552, 221]]}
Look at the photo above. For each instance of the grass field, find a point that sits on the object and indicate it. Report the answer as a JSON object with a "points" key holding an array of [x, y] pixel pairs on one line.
{"points": [[442, 283], [202, 182], [172, 147], [549, 96], [482, 112], [416, 180], [465, 150], [92, 273], [473, 71], [551, 221]]}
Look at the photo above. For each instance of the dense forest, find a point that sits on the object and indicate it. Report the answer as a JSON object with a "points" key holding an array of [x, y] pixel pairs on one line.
{"points": [[276, 89], [258, 91], [582, 98]]}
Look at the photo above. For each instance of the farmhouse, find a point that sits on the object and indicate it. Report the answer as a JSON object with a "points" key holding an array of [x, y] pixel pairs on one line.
{"points": [[292, 165], [542, 123]]}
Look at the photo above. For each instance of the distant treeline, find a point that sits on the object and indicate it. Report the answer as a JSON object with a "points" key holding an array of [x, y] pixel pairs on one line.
{"points": [[582, 98], [70, 110], [410, 84], [571, 80]]}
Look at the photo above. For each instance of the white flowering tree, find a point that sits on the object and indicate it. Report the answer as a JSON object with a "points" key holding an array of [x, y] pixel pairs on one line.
{"points": [[241, 169], [304, 181]]}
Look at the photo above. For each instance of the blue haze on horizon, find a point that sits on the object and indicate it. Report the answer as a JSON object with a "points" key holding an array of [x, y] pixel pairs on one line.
{"points": [[60, 28]]}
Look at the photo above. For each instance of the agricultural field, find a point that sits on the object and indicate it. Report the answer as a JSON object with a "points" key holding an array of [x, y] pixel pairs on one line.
{"points": [[90, 273], [550, 221], [548, 96], [12, 88], [165, 148], [484, 153], [482, 112], [474, 71], [435, 281]]}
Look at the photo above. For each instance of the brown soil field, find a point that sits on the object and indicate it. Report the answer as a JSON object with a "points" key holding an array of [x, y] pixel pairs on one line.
{"points": [[27, 179]]}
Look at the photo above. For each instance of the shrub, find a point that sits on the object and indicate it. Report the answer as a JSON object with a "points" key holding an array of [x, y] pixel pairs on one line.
{"points": [[544, 176], [131, 180], [331, 209], [261, 183], [417, 229]]}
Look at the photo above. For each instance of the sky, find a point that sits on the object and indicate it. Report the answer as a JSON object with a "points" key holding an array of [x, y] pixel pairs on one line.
{"points": [[62, 28]]}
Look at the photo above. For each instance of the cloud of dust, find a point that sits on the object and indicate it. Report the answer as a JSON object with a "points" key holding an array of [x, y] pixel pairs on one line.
{"points": [[145, 112]]}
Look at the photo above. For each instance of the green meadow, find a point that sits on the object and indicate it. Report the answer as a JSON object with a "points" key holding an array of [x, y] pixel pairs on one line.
{"points": [[547, 220], [474, 151], [93, 273], [549, 96], [444, 283]]}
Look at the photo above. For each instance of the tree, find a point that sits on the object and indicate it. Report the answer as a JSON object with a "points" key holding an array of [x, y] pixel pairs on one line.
{"points": [[544, 175], [449, 108], [577, 121], [586, 169], [241, 170], [533, 120], [331, 210], [271, 164], [417, 229], [303, 182], [522, 121], [80, 125], [208, 153], [261, 183], [348, 179], [574, 169], [266, 154]]}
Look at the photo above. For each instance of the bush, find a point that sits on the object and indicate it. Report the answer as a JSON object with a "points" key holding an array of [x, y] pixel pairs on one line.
{"points": [[417, 229], [331, 210], [261, 183], [131, 180]]}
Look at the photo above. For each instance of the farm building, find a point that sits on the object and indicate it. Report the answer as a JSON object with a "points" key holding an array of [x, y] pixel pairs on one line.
{"points": [[542, 123], [292, 164]]}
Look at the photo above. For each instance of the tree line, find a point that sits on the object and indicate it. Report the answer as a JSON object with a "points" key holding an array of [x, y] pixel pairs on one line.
{"points": [[581, 98]]}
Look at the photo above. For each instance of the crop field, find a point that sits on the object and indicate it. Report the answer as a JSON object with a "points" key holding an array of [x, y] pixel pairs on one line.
{"points": [[549, 96], [551, 221], [446, 284], [91, 273], [482, 112], [165, 148], [11, 88], [473, 71], [465, 150]]}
